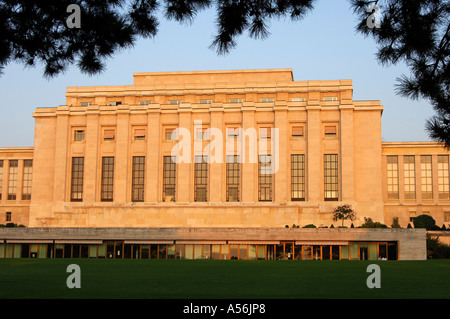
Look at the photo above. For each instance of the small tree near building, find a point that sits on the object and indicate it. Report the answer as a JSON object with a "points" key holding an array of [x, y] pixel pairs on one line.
{"points": [[344, 212]]}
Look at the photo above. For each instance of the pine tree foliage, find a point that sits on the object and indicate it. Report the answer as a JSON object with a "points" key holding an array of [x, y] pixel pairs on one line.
{"points": [[417, 33]]}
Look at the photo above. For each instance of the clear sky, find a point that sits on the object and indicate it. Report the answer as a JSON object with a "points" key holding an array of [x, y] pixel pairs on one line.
{"points": [[323, 46]]}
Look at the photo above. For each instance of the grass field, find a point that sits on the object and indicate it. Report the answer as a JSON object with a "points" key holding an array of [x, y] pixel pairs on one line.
{"points": [[192, 279]]}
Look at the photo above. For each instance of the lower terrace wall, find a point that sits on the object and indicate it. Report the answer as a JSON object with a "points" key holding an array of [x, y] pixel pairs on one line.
{"points": [[411, 242], [193, 214]]}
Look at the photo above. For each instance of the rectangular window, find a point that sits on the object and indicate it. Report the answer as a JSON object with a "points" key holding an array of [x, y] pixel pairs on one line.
{"points": [[27, 177], [139, 134], [426, 177], [8, 216], [266, 100], [200, 178], [145, 102], [168, 134], [443, 177], [330, 131], [265, 132], [115, 103], [330, 98], [392, 176], [85, 103], [169, 179], [77, 179], [109, 135], [297, 177], [174, 102], [235, 100], [78, 135], [205, 101], [138, 176], [264, 178], [233, 178], [331, 177], [446, 217], [232, 132], [107, 189], [409, 176], [12, 185], [1, 178], [297, 131], [298, 99], [202, 134]]}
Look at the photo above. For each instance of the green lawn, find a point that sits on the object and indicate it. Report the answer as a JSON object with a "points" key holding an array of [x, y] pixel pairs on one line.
{"points": [[211, 279]]}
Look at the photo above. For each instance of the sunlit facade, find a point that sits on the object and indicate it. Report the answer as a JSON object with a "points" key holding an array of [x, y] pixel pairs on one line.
{"points": [[244, 149]]}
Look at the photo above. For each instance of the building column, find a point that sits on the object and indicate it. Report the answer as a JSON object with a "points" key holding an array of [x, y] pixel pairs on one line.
{"points": [[183, 189], [314, 175], [91, 176], [346, 166], [249, 179], [216, 184], [281, 189], [122, 169], [153, 172], [62, 173]]}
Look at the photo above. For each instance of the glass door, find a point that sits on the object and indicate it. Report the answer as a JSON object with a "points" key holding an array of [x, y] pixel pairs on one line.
{"points": [[289, 251], [118, 250]]}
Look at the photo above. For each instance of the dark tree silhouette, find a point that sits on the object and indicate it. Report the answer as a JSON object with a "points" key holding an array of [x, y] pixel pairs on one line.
{"points": [[418, 33], [32, 31]]}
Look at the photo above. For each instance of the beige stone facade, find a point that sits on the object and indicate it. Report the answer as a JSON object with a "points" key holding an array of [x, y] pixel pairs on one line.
{"points": [[103, 160], [314, 121]]}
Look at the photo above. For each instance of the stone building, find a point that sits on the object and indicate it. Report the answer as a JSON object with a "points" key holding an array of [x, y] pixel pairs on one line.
{"points": [[247, 150]]}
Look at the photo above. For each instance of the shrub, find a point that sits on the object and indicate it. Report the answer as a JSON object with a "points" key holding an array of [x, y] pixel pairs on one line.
{"points": [[425, 221], [310, 226], [436, 249], [395, 223], [369, 223]]}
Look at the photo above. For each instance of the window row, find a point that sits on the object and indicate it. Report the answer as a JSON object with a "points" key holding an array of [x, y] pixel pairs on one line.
{"points": [[139, 134], [280, 251], [12, 178], [201, 178], [209, 101], [426, 176]]}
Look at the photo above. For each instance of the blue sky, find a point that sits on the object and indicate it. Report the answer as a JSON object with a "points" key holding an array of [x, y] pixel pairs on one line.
{"points": [[322, 46]]}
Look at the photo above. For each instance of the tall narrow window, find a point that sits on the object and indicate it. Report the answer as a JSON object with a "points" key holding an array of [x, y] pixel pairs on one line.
{"points": [[107, 189], [27, 177], [1, 178], [233, 178], [77, 179], [426, 177], [169, 179], [297, 177], [443, 177], [409, 176], [264, 178], [137, 185], [331, 177], [12, 183], [392, 176], [200, 178]]}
